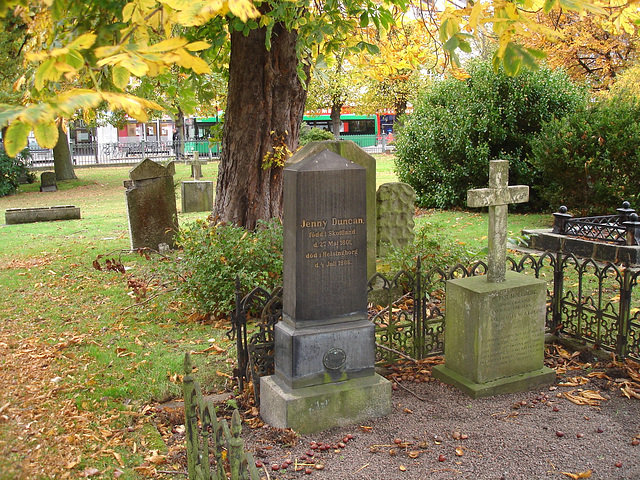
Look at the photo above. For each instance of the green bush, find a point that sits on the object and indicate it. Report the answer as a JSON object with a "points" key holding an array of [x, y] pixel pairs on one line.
{"points": [[458, 126], [590, 159], [308, 134], [11, 170], [213, 255]]}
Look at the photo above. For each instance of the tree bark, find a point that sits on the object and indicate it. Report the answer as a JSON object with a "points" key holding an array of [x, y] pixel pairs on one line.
{"points": [[62, 157], [336, 110], [265, 108]]}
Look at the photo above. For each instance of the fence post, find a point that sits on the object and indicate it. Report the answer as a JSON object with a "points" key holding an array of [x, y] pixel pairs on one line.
{"points": [[632, 226], [625, 312], [558, 288], [239, 325], [624, 212], [559, 219], [418, 321], [190, 418]]}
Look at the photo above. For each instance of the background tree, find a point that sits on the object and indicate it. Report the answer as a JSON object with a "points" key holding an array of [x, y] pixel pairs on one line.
{"points": [[334, 87], [406, 53], [588, 48], [458, 126]]}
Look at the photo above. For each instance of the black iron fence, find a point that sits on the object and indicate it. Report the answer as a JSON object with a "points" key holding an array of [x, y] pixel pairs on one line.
{"points": [[597, 304], [621, 228], [114, 153], [213, 448]]}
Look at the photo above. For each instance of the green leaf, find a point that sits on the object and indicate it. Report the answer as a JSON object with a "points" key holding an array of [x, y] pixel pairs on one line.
{"points": [[120, 77], [46, 71], [451, 44], [364, 19], [46, 134], [548, 5], [16, 138]]}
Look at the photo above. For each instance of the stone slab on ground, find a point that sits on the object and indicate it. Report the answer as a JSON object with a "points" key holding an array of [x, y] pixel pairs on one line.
{"points": [[15, 216]]}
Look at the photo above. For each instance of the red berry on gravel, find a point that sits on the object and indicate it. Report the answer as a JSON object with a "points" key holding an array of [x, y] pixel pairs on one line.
{"points": [[259, 464], [619, 464], [600, 429], [308, 471], [349, 436], [275, 467], [560, 433], [635, 442], [556, 408], [441, 458]]}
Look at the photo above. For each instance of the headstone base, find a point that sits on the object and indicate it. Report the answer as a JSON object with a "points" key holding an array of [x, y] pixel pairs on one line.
{"points": [[514, 383], [321, 407]]}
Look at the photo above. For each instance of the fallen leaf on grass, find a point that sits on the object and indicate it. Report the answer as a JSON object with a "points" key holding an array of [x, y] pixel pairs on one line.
{"points": [[222, 374], [213, 348], [156, 458], [576, 476], [89, 472]]}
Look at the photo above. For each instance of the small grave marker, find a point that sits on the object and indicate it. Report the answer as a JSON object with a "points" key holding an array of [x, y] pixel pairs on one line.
{"points": [[495, 323]]}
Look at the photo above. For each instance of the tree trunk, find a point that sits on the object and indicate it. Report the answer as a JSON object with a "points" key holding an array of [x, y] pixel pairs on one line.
{"points": [[336, 109], [62, 157], [265, 108]]}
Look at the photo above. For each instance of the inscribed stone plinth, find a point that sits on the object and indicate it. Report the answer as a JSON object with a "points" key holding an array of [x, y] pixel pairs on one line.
{"points": [[151, 205], [48, 182], [495, 335], [325, 345], [197, 196], [395, 207], [352, 152], [494, 331]]}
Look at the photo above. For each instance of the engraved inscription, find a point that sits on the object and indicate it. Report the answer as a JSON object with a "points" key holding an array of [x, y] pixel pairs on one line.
{"points": [[328, 246]]}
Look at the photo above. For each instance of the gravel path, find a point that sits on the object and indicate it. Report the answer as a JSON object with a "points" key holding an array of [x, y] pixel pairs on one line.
{"points": [[444, 434]]}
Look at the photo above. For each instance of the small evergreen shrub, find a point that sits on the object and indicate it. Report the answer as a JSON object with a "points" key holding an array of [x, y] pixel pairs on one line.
{"points": [[308, 134], [589, 160], [458, 126], [214, 254], [11, 170]]}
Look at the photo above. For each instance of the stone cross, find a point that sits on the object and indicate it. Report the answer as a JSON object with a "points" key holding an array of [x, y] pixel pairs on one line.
{"points": [[497, 197]]}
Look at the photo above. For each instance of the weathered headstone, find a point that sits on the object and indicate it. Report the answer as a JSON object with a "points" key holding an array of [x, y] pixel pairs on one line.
{"points": [[151, 205], [325, 345], [395, 206], [352, 152], [48, 182], [196, 196], [495, 323]]}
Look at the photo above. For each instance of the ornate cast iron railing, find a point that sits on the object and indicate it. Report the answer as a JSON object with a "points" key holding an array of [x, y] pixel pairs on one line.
{"points": [[622, 228], [597, 304], [213, 449]]}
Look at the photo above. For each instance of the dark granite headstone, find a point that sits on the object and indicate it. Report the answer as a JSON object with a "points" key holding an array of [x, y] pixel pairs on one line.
{"points": [[151, 205], [325, 345], [48, 182]]}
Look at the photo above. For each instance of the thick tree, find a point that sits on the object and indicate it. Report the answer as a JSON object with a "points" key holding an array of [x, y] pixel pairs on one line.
{"points": [[263, 115]]}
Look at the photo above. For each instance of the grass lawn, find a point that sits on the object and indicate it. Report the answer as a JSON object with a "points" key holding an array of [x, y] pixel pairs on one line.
{"points": [[87, 353]]}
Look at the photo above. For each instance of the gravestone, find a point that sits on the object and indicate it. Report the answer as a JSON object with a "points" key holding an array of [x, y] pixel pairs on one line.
{"points": [[494, 330], [48, 182], [15, 216], [395, 207], [352, 152], [196, 166], [151, 205], [324, 345], [196, 195]]}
